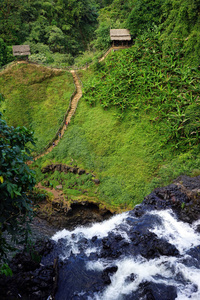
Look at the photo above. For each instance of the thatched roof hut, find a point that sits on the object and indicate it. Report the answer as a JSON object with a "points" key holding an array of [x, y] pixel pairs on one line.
{"points": [[21, 50], [120, 35]]}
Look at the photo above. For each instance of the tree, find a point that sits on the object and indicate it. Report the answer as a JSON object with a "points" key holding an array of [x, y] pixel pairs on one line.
{"points": [[5, 54], [103, 37], [56, 39], [144, 15], [16, 180], [182, 22]]}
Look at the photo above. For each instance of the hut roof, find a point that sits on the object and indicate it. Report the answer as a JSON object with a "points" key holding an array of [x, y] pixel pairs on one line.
{"points": [[21, 50], [120, 35]]}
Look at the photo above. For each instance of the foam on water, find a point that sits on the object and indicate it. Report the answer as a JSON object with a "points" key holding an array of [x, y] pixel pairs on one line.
{"points": [[98, 229], [120, 285], [164, 270], [181, 235], [132, 271]]}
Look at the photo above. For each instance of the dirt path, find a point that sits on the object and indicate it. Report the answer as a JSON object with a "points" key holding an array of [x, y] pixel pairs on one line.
{"points": [[56, 193], [74, 104], [115, 48]]}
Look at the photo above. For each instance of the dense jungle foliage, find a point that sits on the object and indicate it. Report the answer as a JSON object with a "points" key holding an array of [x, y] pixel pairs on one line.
{"points": [[60, 30], [159, 83], [16, 180]]}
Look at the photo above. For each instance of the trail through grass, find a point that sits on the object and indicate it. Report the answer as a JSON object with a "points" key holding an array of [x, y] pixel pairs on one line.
{"points": [[36, 97]]}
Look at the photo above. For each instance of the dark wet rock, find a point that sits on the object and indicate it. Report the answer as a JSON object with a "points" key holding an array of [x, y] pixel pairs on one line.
{"points": [[191, 184], [139, 211], [144, 244], [193, 260], [94, 238], [152, 291], [74, 281], [79, 213], [198, 228], [167, 197], [31, 279], [183, 201], [130, 278], [110, 247], [149, 246], [107, 272]]}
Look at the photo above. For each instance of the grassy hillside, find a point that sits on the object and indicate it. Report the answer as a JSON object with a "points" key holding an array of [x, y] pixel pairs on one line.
{"points": [[136, 127], [36, 97]]}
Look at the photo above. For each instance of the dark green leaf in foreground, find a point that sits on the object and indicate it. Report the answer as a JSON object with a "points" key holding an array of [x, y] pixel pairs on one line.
{"points": [[16, 180]]}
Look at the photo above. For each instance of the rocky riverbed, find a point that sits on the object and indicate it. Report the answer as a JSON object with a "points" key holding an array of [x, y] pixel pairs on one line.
{"points": [[85, 263]]}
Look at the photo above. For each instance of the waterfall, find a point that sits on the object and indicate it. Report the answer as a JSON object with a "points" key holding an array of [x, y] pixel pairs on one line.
{"points": [[154, 256]]}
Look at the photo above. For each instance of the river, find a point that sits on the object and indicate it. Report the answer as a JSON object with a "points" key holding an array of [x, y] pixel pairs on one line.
{"points": [[151, 256]]}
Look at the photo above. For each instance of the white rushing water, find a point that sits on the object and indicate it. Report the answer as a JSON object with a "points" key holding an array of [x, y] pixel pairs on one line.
{"points": [[179, 234], [100, 230], [166, 270]]}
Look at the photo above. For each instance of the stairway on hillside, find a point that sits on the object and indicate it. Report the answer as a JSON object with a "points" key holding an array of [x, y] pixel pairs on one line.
{"points": [[75, 100], [73, 107]]}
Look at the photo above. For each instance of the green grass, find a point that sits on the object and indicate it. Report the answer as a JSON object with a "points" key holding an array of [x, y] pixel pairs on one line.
{"points": [[136, 126], [120, 154], [36, 97]]}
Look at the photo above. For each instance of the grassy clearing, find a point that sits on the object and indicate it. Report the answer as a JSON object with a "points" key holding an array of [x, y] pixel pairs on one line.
{"points": [[137, 125], [36, 97], [120, 154]]}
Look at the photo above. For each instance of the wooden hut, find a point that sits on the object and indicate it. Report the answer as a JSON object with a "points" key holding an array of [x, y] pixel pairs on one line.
{"points": [[120, 37], [21, 50]]}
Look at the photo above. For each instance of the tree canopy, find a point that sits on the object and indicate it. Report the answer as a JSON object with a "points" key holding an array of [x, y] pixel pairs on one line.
{"points": [[72, 26], [71, 23]]}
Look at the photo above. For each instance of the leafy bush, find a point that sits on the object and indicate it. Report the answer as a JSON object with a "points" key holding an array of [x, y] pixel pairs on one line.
{"points": [[5, 53], [103, 39], [169, 89], [38, 58], [16, 180], [144, 16]]}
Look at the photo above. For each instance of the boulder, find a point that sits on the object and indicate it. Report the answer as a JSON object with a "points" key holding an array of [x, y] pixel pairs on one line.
{"points": [[59, 187], [97, 181], [81, 171]]}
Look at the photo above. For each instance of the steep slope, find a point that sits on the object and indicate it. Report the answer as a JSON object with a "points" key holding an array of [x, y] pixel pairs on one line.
{"points": [[136, 126], [36, 97]]}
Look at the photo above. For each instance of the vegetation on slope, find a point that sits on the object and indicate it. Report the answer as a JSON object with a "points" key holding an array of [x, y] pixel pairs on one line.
{"points": [[159, 84], [56, 31], [16, 180], [139, 112], [36, 97], [137, 125], [60, 32], [175, 19]]}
